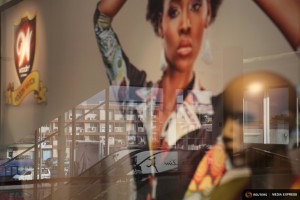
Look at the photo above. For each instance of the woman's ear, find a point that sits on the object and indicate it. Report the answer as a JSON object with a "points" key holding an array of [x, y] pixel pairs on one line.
{"points": [[160, 28], [208, 15]]}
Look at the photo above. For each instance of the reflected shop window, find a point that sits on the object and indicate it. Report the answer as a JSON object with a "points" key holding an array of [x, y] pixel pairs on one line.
{"points": [[266, 116]]}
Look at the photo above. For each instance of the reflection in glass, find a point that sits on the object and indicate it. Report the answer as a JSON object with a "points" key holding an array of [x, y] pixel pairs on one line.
{"points": [[253, 117], [266, 116], [279, 123]]}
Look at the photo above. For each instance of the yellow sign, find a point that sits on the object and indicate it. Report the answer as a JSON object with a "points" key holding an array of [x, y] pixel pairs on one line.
{"points": [[31, 83]]}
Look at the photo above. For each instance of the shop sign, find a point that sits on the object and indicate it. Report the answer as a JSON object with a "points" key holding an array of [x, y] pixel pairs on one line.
{"points": [[24, 53]]}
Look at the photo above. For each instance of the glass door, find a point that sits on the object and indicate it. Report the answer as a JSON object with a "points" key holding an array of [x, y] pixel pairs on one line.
{"points": [[265, 116]]}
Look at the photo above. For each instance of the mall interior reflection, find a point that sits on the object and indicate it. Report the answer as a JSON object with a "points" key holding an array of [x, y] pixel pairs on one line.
{"points": [[100, 149]]}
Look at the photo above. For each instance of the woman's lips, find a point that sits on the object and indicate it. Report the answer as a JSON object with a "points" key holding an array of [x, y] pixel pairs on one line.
{"points": [[184, 47]]}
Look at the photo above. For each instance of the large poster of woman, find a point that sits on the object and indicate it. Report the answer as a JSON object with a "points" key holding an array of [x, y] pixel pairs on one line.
{"points": [[178, 98]]}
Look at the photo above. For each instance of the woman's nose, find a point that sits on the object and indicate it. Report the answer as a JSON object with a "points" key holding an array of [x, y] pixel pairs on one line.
{"points": [[185, 26]]}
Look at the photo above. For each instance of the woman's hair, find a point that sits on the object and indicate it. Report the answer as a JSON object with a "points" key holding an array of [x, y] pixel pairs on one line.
{"points": [[155, 9]]}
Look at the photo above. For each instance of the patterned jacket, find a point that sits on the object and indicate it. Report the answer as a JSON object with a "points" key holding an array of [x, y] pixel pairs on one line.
{"points": [[189, 127]]}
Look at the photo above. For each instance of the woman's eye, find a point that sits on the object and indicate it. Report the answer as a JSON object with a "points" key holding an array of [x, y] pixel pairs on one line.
{"points": [[196, 6], [173, 12]]}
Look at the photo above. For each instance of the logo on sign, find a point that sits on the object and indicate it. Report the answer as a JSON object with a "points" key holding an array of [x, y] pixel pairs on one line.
{"points": [[24, 52], [24, 47]]}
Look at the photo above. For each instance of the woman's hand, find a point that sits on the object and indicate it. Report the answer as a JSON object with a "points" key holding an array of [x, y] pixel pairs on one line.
{"points": [[110, 7]]}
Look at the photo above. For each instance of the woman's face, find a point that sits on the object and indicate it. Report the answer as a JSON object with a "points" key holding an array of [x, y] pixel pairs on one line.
{"points": [[181, 28]]}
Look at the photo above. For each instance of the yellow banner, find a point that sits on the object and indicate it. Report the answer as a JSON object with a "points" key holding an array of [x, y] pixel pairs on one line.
{"points": [[31, 83]]}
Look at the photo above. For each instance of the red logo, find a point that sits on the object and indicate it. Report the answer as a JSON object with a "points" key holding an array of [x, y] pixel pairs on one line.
{"points": [[24, 46]]}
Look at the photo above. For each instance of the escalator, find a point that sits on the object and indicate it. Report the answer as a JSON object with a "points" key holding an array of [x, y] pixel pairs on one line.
{"points": [[96, 176], [110, 179], [114, 180]]}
